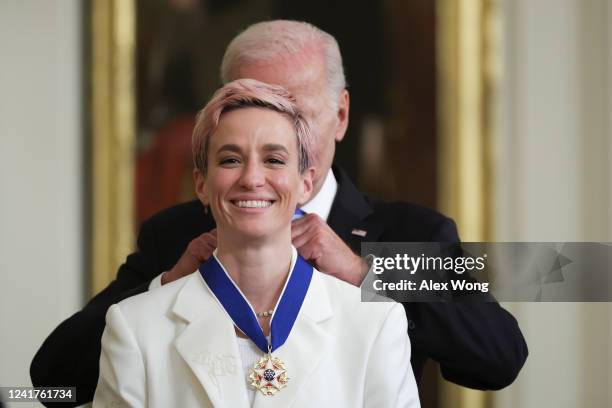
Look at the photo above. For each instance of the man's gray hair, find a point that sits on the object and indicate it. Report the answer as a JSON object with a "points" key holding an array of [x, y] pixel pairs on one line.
{"points": [[270, 40]]}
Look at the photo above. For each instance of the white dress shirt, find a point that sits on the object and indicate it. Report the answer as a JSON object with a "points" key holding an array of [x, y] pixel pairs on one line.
{"points": [[321, 203]]}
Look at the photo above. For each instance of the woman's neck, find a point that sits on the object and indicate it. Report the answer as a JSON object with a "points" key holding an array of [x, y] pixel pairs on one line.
{"points": [[258, 268]]}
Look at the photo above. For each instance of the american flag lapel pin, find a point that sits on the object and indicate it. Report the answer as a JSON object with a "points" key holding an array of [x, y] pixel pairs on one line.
{"points": [[359, 232]]}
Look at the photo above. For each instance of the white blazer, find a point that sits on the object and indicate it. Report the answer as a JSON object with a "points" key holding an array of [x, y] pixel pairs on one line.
{"points": [[175, 346]]}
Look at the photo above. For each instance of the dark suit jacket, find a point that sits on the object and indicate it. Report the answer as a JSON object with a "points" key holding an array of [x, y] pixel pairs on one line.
{"points": [[478, 345]]}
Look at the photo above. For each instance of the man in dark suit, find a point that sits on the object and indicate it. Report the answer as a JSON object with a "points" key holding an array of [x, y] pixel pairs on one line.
{"points": [[478, 345]]}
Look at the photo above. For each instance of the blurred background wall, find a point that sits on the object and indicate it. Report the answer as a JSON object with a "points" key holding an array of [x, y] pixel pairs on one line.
{"points": [[553, 182], [42, 172]]}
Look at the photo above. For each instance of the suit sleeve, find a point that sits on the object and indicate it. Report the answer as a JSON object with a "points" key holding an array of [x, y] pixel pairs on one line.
{"points": [[389, 378], [69, 357], [122, 375], [478, 344]]}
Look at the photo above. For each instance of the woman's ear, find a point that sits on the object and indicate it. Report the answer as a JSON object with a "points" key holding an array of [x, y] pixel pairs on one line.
{"points": [[306, 186], [199, 180]]}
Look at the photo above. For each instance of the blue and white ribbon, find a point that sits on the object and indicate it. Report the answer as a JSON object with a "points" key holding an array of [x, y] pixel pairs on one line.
{"points": [[243, 315]]}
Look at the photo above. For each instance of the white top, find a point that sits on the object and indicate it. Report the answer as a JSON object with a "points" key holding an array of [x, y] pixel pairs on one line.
{"points": [[249, 354]]}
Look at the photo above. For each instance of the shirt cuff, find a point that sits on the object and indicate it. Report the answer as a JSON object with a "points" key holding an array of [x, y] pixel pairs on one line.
{"points": [[156, 282], [369, 276], [368, 293]]}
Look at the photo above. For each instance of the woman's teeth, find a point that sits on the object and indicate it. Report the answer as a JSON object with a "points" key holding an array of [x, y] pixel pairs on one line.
{"points": [[253, 203]]}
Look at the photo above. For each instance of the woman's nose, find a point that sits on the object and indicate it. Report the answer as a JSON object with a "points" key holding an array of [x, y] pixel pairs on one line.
{"points": [[252, 176]]}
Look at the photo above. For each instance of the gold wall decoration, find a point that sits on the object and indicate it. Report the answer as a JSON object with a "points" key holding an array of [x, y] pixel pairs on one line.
{"points": [[112, 130], [468, 35], [466, 65]]}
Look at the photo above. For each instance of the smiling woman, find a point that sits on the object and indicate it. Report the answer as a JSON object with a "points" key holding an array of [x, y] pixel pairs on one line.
{"points": [[256, 323], [253, 184], [252, 156]]}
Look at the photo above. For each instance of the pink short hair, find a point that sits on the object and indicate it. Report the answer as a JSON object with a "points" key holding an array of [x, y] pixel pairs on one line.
{"points": [[245, 93]]}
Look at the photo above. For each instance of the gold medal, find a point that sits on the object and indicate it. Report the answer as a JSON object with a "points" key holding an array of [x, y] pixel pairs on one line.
{"points": [[269, 375]]}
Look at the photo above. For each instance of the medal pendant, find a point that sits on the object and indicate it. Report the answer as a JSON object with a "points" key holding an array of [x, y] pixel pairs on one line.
{"points": [[269, 375]]}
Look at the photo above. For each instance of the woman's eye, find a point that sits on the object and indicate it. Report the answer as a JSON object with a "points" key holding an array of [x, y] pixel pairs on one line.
{"points": [[275, 161], [229, 161]]}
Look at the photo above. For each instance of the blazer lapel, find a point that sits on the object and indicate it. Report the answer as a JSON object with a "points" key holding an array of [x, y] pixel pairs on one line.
{"points": [[208, 345], [305, 348], [350, 213]]}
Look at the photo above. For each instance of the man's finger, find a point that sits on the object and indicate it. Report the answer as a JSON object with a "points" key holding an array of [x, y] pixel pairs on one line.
{"points": [[311, 253], [206, 250], [303, 238], [299, 230], [307, 219], [300, 226], [305, 251], [208, 238]]}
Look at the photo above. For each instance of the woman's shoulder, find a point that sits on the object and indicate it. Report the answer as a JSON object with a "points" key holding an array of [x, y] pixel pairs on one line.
{"points": [[353, 319], [348, 299], [155, 301]]}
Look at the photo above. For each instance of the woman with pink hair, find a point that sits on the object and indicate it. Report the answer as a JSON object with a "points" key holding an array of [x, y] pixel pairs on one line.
{"points": [[255, 325]]}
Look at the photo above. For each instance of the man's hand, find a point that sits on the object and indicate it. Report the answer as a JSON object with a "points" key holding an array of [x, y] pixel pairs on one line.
{"points": [[198, 251], [318, 243]]}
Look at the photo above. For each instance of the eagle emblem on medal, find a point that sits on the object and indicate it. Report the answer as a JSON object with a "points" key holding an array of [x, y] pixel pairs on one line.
{"points": [[269, 375]]}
